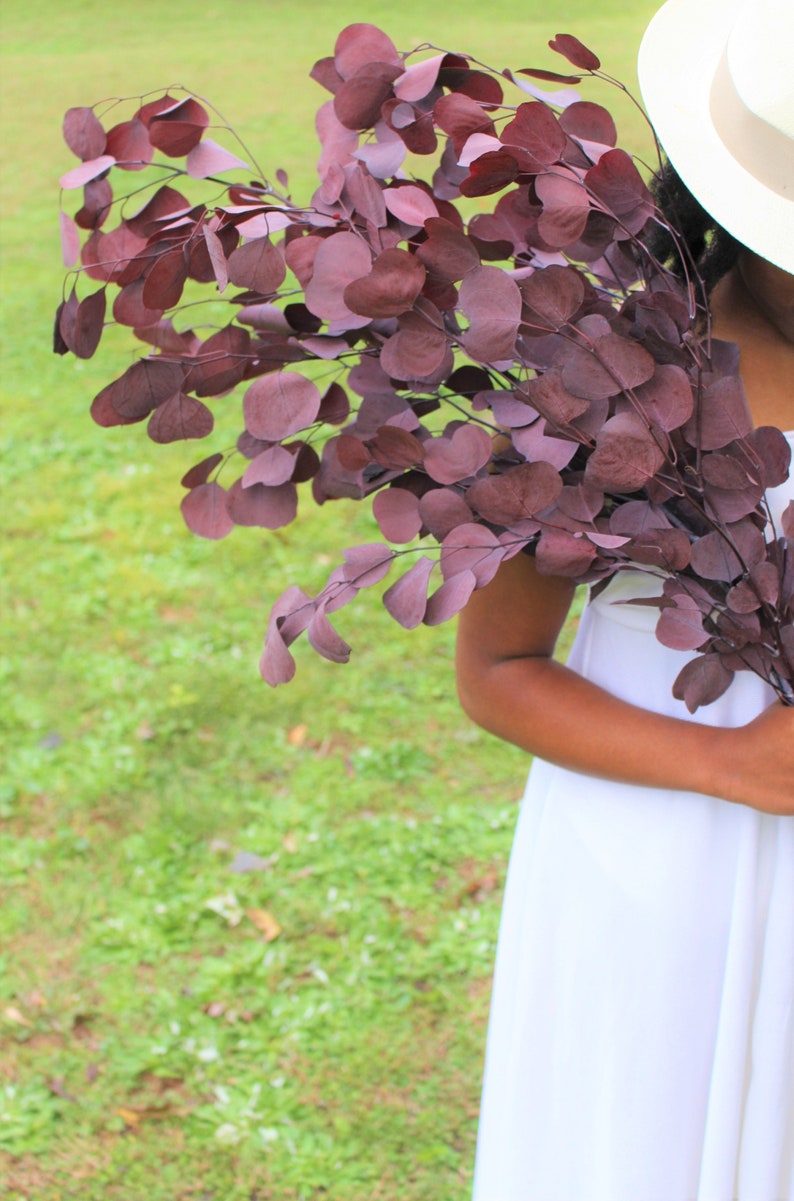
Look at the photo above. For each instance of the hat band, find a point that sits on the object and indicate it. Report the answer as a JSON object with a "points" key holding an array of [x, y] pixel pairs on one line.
{"points": [[760, 148]]}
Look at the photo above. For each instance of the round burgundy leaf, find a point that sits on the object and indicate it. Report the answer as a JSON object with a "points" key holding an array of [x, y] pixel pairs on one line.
{"points": [[307, 461], [566, 208], [97, 199], [626, 360], [410, 204], [269, 508], [177, 131], [325, 73], [105, 413], [537, 131], [551, 297], [459, 116], [358, 101], [208, 158], [743, 598], [325, 640], [669, 549], [722, 416], [549, 396], [766, 582], [518, 493], [589, 122], [163, 336], [145, 385], [393, 448], [680, 625], [406, 599], [367, 564], [165, 280], [390, 288], [129, 144], [338, 261], [257, 265], [473, 548], [351, 452], [89, 322], [716, 556], [447, 254], [220, 363], [397, 514], [537, 446], [129, 309], [338, 142], [272, 466], [449, 459], [359, 45], [365, 194], [637, 517], [334, 406], [726, 471], [91, 169], [774, 450], [114, 256], [787, 520], [560, 553], [702, 681], [626, 456], [277, 665], [583, 503], [478, 84], [539, 73], [614, 364], [152, 108], [83, 133], [418, 348], [441, 510], [490, 172], [666, 399], [200, 473], [448, 600], [618, 186], [418, 79], [165, 206], [280, 404], [575, 51], [178, 418], [492, 302], [204, 511]]}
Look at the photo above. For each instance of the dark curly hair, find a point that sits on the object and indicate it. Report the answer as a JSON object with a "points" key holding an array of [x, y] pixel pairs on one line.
{"points": [[712, 251]]}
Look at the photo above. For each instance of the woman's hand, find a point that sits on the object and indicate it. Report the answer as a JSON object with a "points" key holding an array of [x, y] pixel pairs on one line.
{"points": [[757, 762]]}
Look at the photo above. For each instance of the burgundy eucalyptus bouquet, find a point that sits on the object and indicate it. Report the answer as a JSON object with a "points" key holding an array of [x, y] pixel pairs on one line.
{"points": [[498, 376]]}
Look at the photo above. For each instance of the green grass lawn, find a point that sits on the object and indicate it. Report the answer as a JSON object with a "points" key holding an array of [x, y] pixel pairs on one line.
{"points": [[245, 936]]}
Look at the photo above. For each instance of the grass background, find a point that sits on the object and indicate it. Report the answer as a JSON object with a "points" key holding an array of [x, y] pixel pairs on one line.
{"points": [[156, 1040]]}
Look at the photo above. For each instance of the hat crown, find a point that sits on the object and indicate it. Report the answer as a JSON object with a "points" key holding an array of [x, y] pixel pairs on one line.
{"points": [[759, 53]]}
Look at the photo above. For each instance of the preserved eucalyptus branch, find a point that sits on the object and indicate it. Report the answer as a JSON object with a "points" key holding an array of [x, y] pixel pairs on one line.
{"points": [[524, 377]]}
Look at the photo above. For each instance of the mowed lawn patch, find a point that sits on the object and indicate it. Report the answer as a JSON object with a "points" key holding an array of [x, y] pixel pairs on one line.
{"points": [[246, 936]]}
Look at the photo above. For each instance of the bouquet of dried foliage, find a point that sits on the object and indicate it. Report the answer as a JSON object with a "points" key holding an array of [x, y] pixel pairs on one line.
{"points": [[505, 375]]}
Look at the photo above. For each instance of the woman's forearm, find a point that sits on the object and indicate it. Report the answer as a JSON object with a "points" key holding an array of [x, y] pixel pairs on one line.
{"points": [[509, 683], [550, 711]]}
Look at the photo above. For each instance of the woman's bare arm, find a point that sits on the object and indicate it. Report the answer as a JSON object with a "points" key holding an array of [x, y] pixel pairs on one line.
{"points": [[509, 683]]}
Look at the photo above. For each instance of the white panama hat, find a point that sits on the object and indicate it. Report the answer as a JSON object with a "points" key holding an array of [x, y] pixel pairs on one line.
{"points": [[717, 79]]}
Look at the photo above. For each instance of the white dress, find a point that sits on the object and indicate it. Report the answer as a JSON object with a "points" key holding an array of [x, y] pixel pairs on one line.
{"points": [[641, 1038]]}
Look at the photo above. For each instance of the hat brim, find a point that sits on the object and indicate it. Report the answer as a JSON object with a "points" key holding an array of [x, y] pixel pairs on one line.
{"points": [[677, 63]]}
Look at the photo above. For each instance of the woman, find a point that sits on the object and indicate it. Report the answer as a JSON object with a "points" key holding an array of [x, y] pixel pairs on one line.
{"points": [[641, 1042]]}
